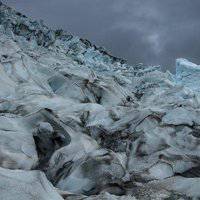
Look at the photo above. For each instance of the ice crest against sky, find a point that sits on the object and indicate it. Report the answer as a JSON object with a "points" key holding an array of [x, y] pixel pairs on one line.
{"points": [[152, 32]]}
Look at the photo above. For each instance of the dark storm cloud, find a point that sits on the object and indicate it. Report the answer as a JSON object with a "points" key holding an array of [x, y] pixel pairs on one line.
{"points": [[149, 31]]}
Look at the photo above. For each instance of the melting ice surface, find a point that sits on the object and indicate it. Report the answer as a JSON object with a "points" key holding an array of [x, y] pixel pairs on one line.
{"points": [[78, 123]]}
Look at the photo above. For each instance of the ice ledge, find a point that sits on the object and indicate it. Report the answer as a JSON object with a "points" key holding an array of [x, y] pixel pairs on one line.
{"points": [[188, 74]]}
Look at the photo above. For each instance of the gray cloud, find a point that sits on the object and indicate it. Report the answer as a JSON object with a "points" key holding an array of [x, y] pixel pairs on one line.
{"points": [[149, 31]]}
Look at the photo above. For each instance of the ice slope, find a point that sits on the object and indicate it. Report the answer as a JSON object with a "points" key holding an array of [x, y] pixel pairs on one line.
{"points": [[97, 127]]}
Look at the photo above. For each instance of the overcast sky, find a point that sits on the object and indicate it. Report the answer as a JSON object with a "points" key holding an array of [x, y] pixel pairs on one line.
{"points": [[148, 31]]}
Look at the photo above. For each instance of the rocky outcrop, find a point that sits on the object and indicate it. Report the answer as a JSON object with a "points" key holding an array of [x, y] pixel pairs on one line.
{"points": [[89, 123]]}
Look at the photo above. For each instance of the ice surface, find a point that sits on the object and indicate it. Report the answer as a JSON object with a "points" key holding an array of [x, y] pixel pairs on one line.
{"points": [[187, 74], [26, 185], [96, 126]]}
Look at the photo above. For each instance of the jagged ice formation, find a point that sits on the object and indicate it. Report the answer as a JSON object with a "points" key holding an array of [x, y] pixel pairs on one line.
{"points": [[78, 123]]}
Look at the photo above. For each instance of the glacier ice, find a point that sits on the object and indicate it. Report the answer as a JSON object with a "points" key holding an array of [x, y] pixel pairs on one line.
{"points": [[23, 185], [92, 125], [187, 74]]}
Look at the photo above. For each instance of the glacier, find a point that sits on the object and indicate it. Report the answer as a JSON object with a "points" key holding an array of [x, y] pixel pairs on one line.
{"points": [[78, 123], [187, 74]]}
